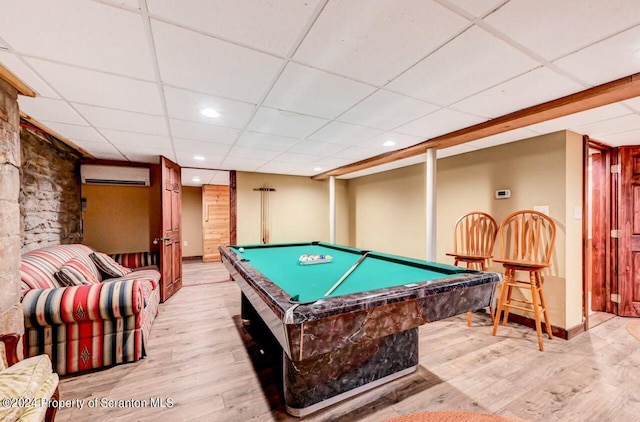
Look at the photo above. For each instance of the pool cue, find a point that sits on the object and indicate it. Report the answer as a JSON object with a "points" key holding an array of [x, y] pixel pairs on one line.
{"points": [[349, 271]]}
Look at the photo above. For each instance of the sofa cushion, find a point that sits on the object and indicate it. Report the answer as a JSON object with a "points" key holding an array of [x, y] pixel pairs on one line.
{"points": [[23, 381], [38, 413], [108, 266], [76, 272]]}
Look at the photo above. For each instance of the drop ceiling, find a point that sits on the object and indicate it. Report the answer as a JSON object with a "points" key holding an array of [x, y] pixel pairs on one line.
{"points": [[302, 87]]}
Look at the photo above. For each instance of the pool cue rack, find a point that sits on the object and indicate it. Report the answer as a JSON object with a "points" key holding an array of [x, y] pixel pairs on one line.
{"points": [[264, 212]]}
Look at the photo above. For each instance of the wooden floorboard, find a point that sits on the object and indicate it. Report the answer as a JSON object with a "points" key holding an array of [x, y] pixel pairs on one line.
{"points": [[203, 361]]}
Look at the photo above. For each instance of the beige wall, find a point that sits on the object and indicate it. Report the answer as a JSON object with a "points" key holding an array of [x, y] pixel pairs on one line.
{"points": [[191, 221], [299, 208], [117, 218], [388, 209], [387, 212]]}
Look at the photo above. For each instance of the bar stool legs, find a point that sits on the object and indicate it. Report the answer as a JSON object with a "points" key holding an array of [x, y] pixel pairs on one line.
{"points": [[535, 305]]}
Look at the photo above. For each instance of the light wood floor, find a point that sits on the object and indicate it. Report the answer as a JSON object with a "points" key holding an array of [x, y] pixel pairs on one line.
{"points": [[201, 358]]}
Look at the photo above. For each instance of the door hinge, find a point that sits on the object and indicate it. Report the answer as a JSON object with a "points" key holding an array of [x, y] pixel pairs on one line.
{"points": [[615, 234], [615, 298], [615, 169]]}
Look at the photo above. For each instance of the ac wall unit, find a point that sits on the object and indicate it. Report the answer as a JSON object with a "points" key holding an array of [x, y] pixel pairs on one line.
{"points": [[114, 175]]}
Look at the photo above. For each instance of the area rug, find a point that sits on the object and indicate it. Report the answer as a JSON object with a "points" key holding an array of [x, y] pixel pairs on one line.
{"points": [[452, 417], [633, 328]]}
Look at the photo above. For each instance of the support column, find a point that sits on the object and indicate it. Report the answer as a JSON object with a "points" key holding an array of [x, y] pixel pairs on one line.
{"points": [[430, 194], [11, 318], [332, 209]]}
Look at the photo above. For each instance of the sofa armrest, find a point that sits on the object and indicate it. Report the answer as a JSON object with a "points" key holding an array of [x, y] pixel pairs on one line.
{"points": [[10, 348], [93, 302], [137, 259]]}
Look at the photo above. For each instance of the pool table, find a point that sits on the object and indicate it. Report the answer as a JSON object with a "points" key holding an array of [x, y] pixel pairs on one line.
{"points": [[361, 335]]}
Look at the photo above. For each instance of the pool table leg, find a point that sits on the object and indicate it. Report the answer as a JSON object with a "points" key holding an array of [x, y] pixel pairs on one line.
{"points": [[320, 381]]}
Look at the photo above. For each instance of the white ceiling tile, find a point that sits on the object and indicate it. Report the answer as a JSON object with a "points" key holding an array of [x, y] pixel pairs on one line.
{"points": [[308, 91], [281, 167], [463, 67], [263, 141], [298, 158], [478, 8], [220, 178], [400, 141], [185, 159], [285, 123], [438, 123], [106, 118], [569, 25], [204, 64], [624, 138], [605, 128], [270, 26], [206, 177], [242, 164], [45, 109], [203, 132], [317, 148], [364, 34], [504, 138], [605, 61], [344, 133], [333, 162], [78, 32], [358, 153], [634, 103], [578, 119], [532, 88], [101, 89], [211, 151], [99, 149], [137, 140], [187, 105], [76, 133], [132, 4], [27, 75], [387, 110], [239, 151], [141, 155]]}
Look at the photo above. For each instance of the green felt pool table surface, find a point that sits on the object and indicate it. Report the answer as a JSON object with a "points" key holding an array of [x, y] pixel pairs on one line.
{"points": [[280, 263]]}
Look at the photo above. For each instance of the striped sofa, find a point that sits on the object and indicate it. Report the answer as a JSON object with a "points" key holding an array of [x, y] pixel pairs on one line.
{"points": [[81, 327]]}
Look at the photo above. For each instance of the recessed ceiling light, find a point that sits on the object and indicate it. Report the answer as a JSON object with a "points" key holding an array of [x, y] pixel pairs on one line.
{"points": [[198, 157], [389, 143], [317, 168], [195, 179], [209, 112]]}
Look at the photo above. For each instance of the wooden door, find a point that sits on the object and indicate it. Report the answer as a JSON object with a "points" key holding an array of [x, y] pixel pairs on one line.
{"points": [[215, 224], [171, 245], [629, 231], [597, 266]]}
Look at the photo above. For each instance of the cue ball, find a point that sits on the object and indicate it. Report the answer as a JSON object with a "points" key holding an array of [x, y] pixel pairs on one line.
{"points": [[240, 249]]}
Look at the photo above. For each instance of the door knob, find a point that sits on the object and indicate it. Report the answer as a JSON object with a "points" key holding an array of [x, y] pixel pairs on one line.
{"points": [[160, 239]]}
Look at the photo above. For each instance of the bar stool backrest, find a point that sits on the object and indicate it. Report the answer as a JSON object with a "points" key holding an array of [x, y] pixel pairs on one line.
{"points": [[475, 234], [528, 236]]}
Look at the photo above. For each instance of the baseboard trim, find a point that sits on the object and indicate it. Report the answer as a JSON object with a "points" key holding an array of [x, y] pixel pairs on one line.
{"points": [[192, 258], [563, 333]]}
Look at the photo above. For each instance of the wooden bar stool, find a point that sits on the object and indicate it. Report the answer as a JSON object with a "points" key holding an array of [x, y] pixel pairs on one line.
{"points": [[526, 244], [473, 238]]}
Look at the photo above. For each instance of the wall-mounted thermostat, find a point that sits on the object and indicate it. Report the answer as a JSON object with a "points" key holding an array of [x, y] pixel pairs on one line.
{"points": [[503, 194]]}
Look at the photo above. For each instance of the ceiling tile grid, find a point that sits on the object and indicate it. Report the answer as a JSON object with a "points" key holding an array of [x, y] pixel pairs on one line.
{"points": [[302, 86]]}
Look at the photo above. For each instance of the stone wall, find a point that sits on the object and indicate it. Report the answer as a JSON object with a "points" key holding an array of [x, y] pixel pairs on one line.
{"points": [[50, 208], [11, 319]]}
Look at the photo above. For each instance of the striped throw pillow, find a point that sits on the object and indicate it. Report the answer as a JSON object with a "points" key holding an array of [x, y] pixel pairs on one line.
{"points": [[75, 272], [108, 266]]}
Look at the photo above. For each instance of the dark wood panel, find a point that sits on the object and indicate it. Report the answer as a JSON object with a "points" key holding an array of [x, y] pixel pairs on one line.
{"points": [[628, 225]]}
